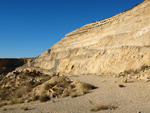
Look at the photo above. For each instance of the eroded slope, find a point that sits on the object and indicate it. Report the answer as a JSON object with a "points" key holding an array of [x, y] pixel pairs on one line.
{"points": [[118, 43]]}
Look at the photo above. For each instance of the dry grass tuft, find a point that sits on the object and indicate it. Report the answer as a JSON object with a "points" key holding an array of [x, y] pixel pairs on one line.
{"points": [[98, 107], [36, 97], [2, 104], [63, 83], [74, 94], [25, 108], [49, 85], [144, 67], [84, 88], [44, 98], [65, 94], [87, 86]]}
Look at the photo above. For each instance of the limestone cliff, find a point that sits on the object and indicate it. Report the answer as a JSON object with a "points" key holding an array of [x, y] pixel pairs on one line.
{"points": [[112, 45]]}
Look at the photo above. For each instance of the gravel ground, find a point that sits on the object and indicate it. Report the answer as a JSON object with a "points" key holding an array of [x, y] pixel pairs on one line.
{"points": [[134, 98]]}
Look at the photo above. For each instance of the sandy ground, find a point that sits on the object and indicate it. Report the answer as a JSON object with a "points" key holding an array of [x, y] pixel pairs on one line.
{"points": [[134, 98]]}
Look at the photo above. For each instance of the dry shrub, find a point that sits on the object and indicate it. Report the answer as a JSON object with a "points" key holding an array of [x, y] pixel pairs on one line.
{"points": [[144, 67], [59, 91], [44, 98], [12, 102], [49, 85], [4, 94], [98, 107], [25, 108], [18, 95], [2, 104], [87, 86], [20, 92], [20, 100], [67, 92], [59, 86], [63, 83], [78, 89], [70, 89], [84, 87], [57, 79], [16, 101], [60, 81], [36, 97], [75, 94]]}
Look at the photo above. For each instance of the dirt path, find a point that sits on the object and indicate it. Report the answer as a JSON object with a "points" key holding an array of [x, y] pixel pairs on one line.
{"points": [[134, 98]]}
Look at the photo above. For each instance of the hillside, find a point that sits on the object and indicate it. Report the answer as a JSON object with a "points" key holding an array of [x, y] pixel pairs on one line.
{"points": [[104, 65], [109, 46]]}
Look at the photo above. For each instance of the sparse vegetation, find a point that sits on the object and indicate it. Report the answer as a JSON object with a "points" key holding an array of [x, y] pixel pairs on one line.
{"points": [[21, 88], [132, 72], [74, 94], [2, 104], [99, 107], [20, 83], [63, 83], [86, 86], [65, 94], [63, 87], [144, 67], [44, 98], [128, 71], [48, 86], [36, 97], [25, 108]]}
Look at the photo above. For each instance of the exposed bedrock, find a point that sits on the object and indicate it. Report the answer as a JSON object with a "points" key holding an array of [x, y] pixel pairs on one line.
{"points": [[10, 64], [118, 43]]}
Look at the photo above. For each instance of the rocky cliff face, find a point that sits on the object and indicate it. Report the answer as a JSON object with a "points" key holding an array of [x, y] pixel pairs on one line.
{"points": [[9, 64], [109, 46]]}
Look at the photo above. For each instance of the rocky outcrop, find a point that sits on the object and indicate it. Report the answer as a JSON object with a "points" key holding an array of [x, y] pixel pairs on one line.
{"points": [[10, 64], [109, 46]]}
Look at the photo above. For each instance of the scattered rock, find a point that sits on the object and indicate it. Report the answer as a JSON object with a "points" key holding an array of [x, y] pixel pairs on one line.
{"points": [[124, 80], [135, 77], [103, 81], [114, 76], [120, 85]]}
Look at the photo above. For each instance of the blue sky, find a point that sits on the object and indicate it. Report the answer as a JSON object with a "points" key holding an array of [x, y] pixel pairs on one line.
{"points": [[29, 27]]}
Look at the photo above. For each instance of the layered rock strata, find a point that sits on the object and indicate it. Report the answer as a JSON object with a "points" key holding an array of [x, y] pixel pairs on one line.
{"points": [[109, 46]]}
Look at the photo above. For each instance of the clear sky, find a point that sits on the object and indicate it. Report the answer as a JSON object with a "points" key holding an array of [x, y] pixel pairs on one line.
{"points": [[29, 27]]}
